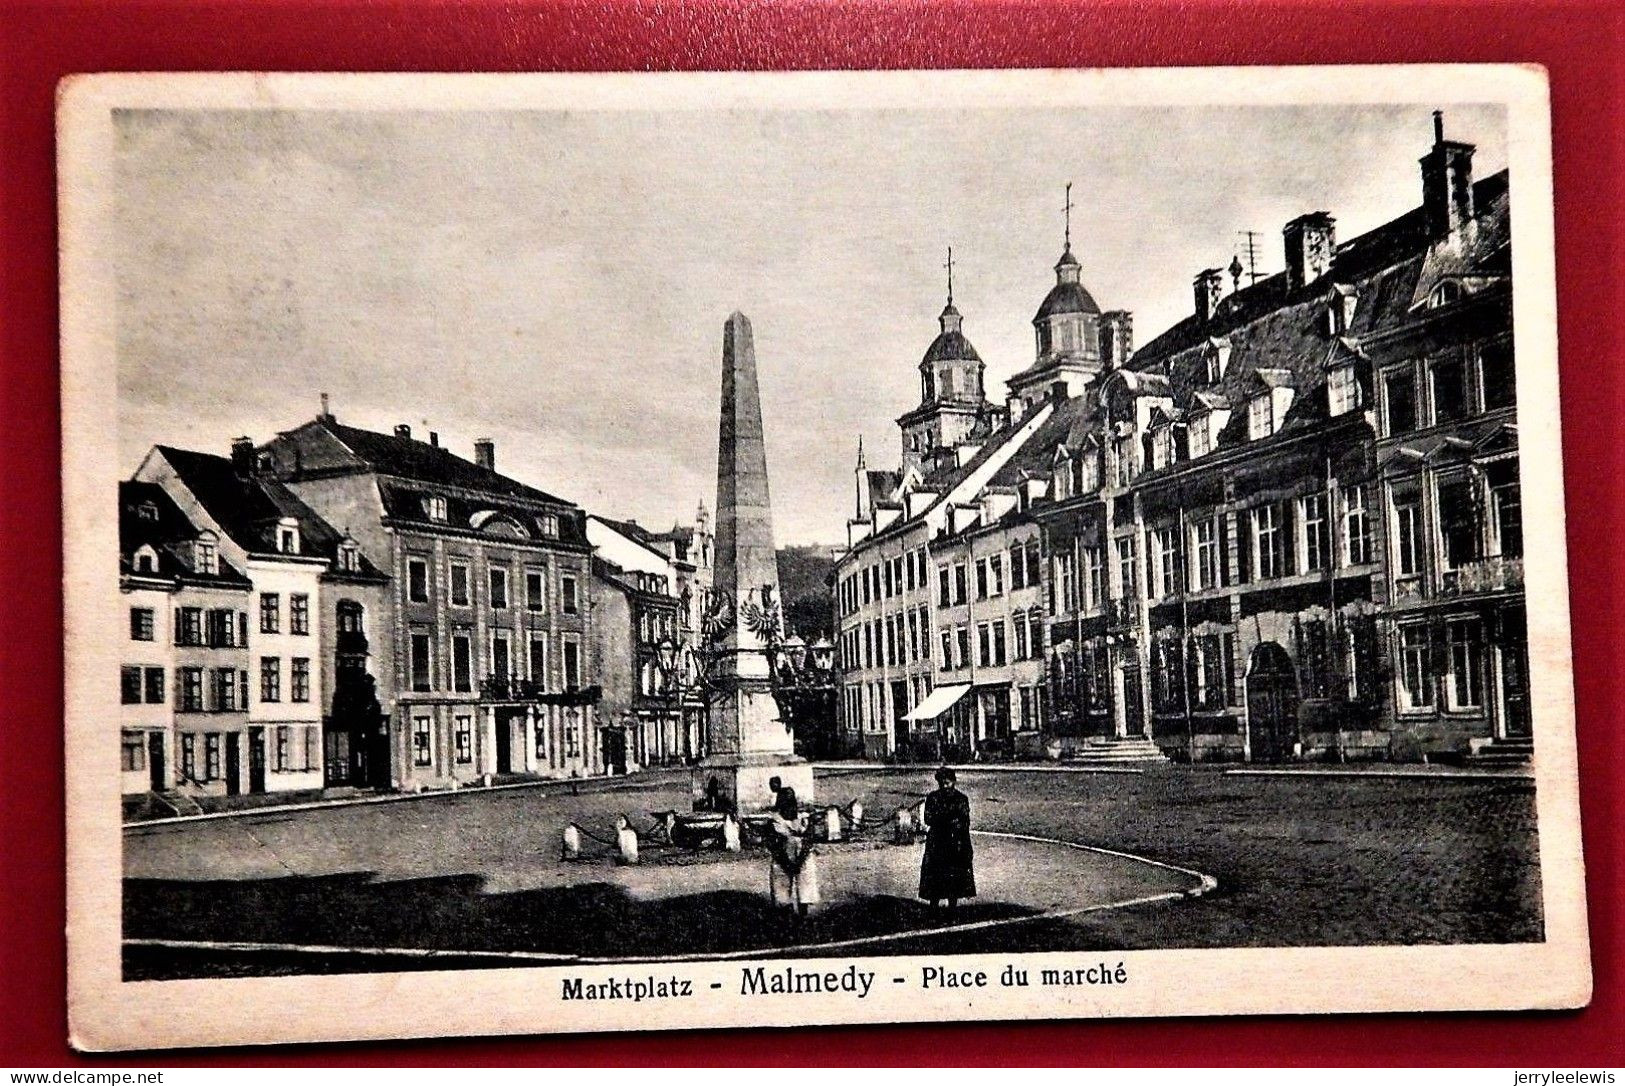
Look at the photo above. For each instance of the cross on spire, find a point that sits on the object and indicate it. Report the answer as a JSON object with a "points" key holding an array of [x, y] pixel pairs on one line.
{"points": [[950, 267], [1067, 211]]}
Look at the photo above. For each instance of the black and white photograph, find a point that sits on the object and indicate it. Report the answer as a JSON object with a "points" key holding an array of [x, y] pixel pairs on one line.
{"points": [[638, 552]]}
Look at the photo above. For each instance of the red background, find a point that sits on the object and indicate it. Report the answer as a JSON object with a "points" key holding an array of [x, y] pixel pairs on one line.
{"points": [[1580, 44]]}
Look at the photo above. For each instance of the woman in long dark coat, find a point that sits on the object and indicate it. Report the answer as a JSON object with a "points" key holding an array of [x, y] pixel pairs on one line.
{"points": [[946, 871]]}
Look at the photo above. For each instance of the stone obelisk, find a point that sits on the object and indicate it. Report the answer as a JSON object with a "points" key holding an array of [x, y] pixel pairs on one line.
{"points": [[747, 744]]}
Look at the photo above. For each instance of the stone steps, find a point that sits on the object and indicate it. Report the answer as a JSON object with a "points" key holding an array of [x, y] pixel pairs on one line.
{"points": [[1128, 751], [1502, 752], [179, 802]]}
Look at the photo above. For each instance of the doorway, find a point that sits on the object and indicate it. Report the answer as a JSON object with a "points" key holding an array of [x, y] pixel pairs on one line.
{"points": [[1133, 702], [899, 709], [1272, 703], [256, 759], [234, 764], [614, 748], [504, 737]]}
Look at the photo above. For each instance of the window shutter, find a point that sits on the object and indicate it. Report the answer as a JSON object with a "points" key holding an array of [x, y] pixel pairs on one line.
{"points": [[177, 630]]}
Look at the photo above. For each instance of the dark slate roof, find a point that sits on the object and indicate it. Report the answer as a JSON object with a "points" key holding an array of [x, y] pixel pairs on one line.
{"points": [[419, 461], [149, 517], [951, 346], [484, 514], [1066, 298], [883, 483], [1073, 420], [248, 508]]}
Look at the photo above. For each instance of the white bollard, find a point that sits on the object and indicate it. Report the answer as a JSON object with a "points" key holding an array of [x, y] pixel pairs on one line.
{"points": [[730, 833], [626, 839], [832, 823], [572, 842], [855, 812], [668, 823]]}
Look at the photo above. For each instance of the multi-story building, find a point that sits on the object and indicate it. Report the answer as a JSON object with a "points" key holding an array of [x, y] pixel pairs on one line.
{"points": [[1288, 526], [481, 644], [183, 672]]}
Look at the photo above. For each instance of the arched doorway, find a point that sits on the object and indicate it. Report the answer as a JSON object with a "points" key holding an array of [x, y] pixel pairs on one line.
{"points": [[1272, 703]]}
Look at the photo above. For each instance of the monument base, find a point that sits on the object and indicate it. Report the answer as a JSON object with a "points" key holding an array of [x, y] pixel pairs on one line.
{"points": [[741, 781]]}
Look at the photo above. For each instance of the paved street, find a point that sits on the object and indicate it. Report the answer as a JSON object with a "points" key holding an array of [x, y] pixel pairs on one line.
{"points": [[1299, 861]]}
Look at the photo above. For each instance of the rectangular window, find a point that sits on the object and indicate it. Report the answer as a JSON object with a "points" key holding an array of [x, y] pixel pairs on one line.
{"points": [[191, 689], [1356, 530], [132, 751], [1126, 581], [282, 748], [417, 580], [141, 624], [189, 626], [1167, 540], [499, 587], [925, 635], [189, 756], [299, 678], [1499, 379], [535, 590], [1205, 548], [572, 665], [270, 612], [1034, 557], [1018, 570], [1260, 417], [1459, 528], [913, 636], [211, 756], [960, 585], [501, 656], [998, 644], [312, 741], [421, 663], [568, 602], [1399, 396], [1509, 519], [1407, 535], [962, 644], [462, 662], [1342, 390], [154, 677], [1416, 688], [1449, 389], [1066, 580], [1094, 577], [459, 584], [995, 573], [947, 650], [270, 678], [299, 613], [1197, 434], [984, 645], [422, 740], [536, 658], [981, 579], [1464, 679], [130, 686], [463, 738], [944, 587], [1267, 542], [1020, 637], [225, 690], [1316, 540]]}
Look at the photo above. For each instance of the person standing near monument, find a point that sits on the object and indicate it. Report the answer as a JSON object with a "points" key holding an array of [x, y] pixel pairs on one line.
{"points": [[792, 871], [947, 869]]}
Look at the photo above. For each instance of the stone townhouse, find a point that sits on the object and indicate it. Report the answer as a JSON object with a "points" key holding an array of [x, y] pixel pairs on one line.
{"points": [[183, 671], [481, 645]]}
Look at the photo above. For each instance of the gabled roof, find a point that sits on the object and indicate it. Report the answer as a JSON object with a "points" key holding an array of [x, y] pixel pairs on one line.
{"points": [[148, 517]]}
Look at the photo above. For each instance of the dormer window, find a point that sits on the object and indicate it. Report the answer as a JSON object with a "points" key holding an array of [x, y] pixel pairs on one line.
{"points": [[147, 511], [1445, 293], [146, 559], [548, 525], [1260, 417], [1199, 435], [1162, 447], [435, 509], [287, 536], [1342, 390], [1088, 472], [206, 554], [1215, 357], [349, 556]]}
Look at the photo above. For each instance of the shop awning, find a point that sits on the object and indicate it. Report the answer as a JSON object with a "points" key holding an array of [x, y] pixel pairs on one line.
{"points": [[937, 702]]}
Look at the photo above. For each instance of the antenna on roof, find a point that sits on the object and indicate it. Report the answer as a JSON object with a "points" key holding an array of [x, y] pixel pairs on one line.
{"points": [[1252, 255], [950, 267]]}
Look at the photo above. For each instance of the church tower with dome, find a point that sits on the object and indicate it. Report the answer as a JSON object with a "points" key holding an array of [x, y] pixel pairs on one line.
{"points": [[1074, 339], [953, 405]]}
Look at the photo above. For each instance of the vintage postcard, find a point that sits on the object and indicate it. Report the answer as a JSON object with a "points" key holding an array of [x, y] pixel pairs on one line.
{"points": [[633, 552]]}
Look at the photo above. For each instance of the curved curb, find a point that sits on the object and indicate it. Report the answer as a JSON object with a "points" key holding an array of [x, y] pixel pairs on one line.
{"points": [[1204, 884]]}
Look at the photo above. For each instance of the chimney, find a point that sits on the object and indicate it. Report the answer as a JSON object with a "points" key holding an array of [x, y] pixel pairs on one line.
{"points": [[485, 454], [327, 414], [1116, 337], [1208, 287], [403, 431], [242, 456], [1310, 242], [434, 439], [1447, 183], [1057, 391]]}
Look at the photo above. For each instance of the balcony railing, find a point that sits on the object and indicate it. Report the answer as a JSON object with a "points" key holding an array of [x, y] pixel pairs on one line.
{"points": [[1484, 575], [514, 688], [1123, 612]]}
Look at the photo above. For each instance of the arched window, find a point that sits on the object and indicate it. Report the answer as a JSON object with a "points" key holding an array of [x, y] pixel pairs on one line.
{"points": [[146, 559]]}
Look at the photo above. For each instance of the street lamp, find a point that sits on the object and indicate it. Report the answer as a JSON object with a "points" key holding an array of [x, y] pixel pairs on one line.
{"points": [[795, 651], [668, 654], [823, 653]]}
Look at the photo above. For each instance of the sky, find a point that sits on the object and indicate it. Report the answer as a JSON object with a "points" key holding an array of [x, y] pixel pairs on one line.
{"points": [[558, 280]]}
